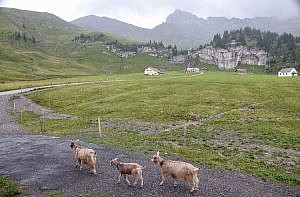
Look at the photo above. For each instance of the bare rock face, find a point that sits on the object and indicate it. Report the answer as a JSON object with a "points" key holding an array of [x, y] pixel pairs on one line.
{"points": [[232, 57]]}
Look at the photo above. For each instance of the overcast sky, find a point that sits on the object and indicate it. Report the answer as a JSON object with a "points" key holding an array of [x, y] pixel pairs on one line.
{"points": [[149, 13]]}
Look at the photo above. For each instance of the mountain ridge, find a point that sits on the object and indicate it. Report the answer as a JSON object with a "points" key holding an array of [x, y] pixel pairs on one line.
{"points": [[187, 30]]}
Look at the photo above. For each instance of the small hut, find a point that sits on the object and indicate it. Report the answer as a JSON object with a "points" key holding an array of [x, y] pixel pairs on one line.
{"points": [[241, 71]]}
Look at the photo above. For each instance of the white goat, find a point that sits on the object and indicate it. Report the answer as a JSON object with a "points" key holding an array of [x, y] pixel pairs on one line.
{"points": [[178, 170], [132, 169], [84, 156]]}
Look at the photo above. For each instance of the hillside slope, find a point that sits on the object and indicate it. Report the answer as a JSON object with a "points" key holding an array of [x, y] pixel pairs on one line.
{"points": [[105, 24], [35, 45]]}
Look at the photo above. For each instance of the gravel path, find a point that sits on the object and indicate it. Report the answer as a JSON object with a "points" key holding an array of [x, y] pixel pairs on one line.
{"points": [[45, 163], [22, 103]]}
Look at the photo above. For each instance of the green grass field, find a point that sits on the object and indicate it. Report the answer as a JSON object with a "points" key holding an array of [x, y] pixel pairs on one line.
{"points": [[258, 132], [8, 187], [54, 54]]}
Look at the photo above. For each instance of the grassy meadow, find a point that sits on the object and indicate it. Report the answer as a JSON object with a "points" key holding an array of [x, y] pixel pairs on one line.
{"points": [[255, 130], [54, 54], [8, 187]]}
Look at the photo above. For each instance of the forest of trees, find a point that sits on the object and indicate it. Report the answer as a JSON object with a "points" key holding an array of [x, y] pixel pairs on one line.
{"points": [[17, 36], [284, 49]]}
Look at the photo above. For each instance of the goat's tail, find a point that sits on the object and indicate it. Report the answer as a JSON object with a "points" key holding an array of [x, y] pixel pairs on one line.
{"points": [[93, 157], [142, 167], [196, 170]]}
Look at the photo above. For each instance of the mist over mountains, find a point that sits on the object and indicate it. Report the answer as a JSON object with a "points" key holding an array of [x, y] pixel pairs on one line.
{"points": [[185, 29]]}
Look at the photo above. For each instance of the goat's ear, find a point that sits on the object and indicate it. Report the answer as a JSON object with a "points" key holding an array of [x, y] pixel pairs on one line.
{"points": [[157, 153], [77, 140]]}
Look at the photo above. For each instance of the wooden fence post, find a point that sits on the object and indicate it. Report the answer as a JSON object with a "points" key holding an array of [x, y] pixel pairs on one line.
{"points": [[41, 124], [99, 127], [184, 135], [21, 116], [44, 129]]}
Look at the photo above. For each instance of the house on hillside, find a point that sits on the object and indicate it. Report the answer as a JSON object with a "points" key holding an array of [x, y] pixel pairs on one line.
{"points": [[287, 72], [241, 71], [152, 71], [192, 70]]}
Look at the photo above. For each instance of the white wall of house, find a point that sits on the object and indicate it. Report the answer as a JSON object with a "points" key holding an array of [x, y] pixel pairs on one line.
{"points": [[149, 71], [288, 74], [192, 70]]}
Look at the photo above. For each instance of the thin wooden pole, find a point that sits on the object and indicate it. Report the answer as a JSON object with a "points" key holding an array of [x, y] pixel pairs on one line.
{"points": [[14, 106], [41, 124], [99, 127], [44, 128], [184, 135], [21, 114]]}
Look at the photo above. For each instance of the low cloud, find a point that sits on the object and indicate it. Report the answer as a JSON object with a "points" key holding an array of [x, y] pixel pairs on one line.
{"points": [[149, 13]]}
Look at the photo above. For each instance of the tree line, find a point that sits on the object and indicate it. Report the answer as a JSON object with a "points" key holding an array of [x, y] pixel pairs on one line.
{"points": [[283, 48], [18, 36]]}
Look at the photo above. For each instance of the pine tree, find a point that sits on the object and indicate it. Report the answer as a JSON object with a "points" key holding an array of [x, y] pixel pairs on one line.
{"points": [[33, 40], [24, 37]]}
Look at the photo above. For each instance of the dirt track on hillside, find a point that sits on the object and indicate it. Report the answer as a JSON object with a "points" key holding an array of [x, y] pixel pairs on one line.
{"points": [[46, 163]]}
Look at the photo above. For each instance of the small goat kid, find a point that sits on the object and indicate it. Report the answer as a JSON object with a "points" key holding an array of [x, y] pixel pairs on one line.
{"points": [[84, 156], [178, 170], [125, 169]]}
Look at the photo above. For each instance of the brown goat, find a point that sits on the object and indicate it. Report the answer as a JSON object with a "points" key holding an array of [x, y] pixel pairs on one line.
{"points": [[84, 156], [178, 170], [132, 169]]}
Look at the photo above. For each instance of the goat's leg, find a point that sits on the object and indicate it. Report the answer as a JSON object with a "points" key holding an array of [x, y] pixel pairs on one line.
{"points": [[164, 176], [77, 161], [196, 183], [80, 165], [142, 180], [193, 185], [136, 178], [127, 180], [93, 171], [119, 179], [175, 183]]}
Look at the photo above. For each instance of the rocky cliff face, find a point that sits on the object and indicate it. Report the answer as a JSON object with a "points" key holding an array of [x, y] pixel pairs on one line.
{"points": [[232, 57]]}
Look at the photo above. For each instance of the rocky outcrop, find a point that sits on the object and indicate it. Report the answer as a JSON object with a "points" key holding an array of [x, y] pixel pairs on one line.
{"points": [[224, 58], [232, 57]]}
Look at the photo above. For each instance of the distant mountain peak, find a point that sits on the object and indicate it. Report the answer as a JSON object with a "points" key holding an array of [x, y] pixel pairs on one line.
{"points": [[185, 29], [180, 16]]}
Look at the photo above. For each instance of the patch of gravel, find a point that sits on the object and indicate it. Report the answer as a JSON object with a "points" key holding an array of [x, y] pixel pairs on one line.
{"points": [[146, 128], [262, 152], [7, 122], [24, 104]]}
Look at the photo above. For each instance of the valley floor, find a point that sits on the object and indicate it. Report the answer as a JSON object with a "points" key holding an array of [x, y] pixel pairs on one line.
{"points": [[46, 165]]}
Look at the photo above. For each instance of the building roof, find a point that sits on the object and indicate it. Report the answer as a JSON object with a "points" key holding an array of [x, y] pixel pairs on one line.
{"points": [[154, 69], [241, 70], [287, 70]]}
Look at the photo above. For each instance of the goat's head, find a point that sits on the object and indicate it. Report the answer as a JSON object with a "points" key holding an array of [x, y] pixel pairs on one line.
{"points": [[114, 162], [156, 158], [74, 143]]}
